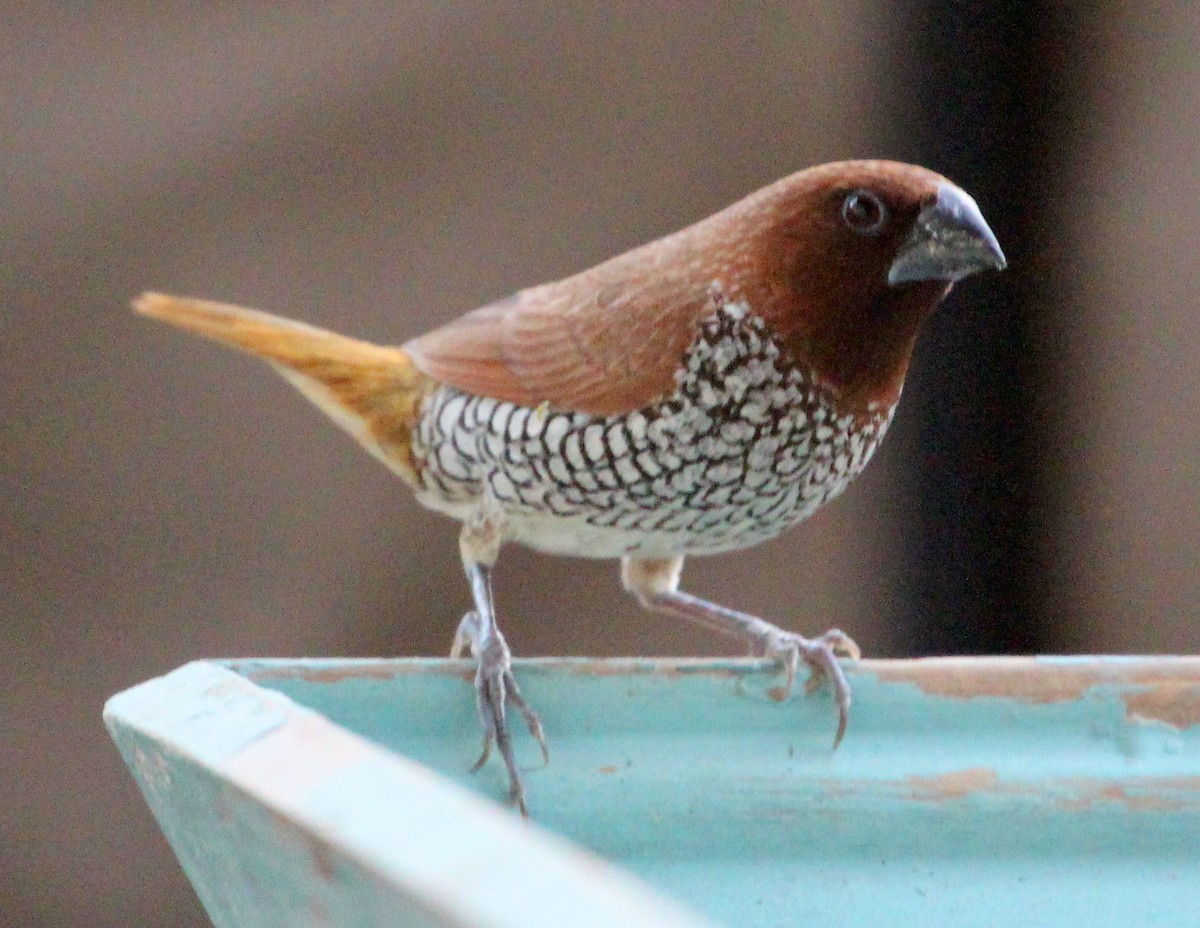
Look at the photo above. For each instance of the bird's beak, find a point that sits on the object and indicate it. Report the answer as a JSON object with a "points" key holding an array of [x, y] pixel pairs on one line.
{"points": [[949, 241]]}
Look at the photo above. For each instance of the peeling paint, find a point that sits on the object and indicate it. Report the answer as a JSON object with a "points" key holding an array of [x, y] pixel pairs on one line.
{"points": [[1136, 803], [1069, 794], [1137, 794], [955, 785], [1033, 680], [1082, 795], [1175, 704]]}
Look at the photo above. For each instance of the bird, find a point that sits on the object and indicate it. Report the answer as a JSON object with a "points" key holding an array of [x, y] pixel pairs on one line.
{"points": [[693, 396]]}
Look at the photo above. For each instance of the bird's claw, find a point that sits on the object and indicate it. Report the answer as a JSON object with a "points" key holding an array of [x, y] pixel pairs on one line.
{"points": [[821, 655], [495, 687]]}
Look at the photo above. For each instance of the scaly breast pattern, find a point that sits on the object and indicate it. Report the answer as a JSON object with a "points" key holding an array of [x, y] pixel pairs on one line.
{"points": [[746, 446]]}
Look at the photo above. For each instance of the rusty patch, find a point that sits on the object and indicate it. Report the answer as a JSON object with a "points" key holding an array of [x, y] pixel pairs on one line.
{"points": [[607, 768], [1031, 679], [955, 785], [1176, 704]]}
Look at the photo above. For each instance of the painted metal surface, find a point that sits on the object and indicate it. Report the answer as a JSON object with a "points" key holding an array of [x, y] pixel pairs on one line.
{"points": [[968, 792]]}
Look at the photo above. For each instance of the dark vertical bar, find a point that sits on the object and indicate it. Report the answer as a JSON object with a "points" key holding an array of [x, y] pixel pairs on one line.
{"points": [[987, 75]]}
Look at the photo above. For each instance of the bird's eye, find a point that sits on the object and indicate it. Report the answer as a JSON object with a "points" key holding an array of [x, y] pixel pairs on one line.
{"points": [[864, 212]]}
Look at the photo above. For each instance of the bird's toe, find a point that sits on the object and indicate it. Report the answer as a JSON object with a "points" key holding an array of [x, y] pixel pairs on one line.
{"points": [[821, 655], [495, 689]]}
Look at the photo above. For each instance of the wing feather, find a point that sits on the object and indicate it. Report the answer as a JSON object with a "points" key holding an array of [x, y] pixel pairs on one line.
{"points": [[606, 341]]}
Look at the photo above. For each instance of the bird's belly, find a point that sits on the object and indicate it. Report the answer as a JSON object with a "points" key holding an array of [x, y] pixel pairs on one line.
{"points": [[646, 484], [664, 532], [613, 527]]}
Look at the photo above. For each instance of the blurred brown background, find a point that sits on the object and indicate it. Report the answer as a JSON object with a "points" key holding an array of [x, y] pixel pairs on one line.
{"points": [[378, 168]]}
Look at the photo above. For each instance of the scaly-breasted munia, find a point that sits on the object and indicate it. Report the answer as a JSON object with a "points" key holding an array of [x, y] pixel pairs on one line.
{"points": [[695, 395]]}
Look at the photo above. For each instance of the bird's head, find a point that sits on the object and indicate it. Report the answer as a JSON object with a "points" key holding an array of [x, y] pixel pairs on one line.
{"points": [[850, 258]]}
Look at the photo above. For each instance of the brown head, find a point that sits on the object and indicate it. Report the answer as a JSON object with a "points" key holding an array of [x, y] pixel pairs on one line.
{"points": [[842, 261], [847, 260]]}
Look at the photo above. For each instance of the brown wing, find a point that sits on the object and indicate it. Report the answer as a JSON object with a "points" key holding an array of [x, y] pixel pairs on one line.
{"points": [[606, 341]]}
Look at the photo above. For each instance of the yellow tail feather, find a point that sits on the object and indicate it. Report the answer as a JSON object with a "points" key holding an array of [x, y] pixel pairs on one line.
{"points": [[373, 392]]}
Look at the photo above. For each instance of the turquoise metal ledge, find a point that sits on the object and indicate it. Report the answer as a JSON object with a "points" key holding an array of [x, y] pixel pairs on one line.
{"points": [[968, 792]]}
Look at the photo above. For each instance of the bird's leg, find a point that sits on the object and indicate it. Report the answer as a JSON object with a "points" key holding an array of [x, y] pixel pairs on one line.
{"points": [[495, 685], [655, 583]]}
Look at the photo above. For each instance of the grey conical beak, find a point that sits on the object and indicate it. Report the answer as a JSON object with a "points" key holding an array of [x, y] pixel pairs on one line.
{"points": [[949, 241]]}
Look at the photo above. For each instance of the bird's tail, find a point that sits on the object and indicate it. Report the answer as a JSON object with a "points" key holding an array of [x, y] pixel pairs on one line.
{"points": [[373, 392]]}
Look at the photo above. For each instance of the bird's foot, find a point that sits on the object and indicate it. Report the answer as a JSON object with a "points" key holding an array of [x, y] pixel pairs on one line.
{"points": [[821, 655], [495, 687]]}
